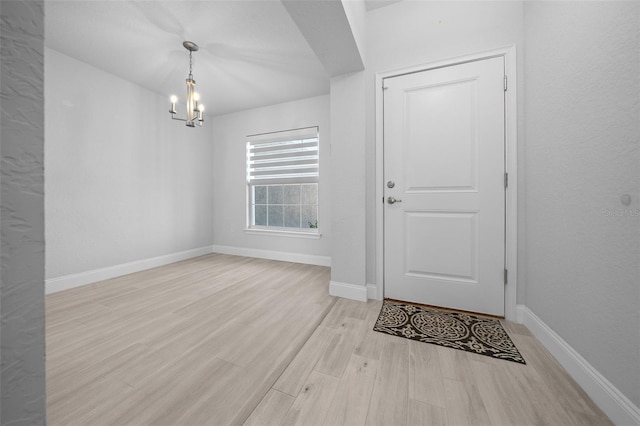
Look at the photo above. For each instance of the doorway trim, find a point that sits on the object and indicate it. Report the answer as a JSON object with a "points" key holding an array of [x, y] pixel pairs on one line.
{"points": [[511, 163]]}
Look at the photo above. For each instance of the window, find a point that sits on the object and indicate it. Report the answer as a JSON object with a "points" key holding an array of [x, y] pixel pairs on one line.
{"points": [[282, 177]]}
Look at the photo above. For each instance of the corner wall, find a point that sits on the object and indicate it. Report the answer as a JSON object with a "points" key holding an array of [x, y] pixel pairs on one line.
{"points": [[124, 183], [582, 93]]}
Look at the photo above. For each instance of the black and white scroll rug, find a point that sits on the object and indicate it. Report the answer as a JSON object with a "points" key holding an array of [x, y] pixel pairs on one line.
{"points": [[484, 336]]}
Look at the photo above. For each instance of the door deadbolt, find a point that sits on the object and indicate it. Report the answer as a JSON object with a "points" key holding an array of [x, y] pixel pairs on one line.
{"points": [[391, 184]]}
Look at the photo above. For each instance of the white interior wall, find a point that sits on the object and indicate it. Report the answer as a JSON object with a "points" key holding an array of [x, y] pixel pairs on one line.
{"points": [[582, 249], [348, 251], [356, 12], [229, 174], [411, 33], [123, 182]]}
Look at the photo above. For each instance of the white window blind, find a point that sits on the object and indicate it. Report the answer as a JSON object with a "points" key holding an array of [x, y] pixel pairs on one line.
{"points": [[283, 157]]}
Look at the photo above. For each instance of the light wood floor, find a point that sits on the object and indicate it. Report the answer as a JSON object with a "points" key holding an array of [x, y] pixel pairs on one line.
{"points": [[230, 340]]}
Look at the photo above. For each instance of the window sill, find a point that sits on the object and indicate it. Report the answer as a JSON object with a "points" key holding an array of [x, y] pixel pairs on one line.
{"points": [[283, 233]]}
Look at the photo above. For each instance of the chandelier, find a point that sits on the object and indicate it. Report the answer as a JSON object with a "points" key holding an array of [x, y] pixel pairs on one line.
{"points": [[195, 109]]}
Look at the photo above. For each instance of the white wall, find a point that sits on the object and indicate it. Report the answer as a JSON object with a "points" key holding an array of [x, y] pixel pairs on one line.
{"points": [[411, 33], [123, 181], [229, 174], [348, 183], [356, 12], [582, 91]]}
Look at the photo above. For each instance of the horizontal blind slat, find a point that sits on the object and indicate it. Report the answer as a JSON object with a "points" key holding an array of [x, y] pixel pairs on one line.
{"points": [[277, 157], [281, 164], [291, 147], [301, 133], [278, 160], [311, 171], [284, 181]]}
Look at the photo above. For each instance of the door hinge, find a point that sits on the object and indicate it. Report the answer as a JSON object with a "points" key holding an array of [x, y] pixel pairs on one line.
{"points": [[505, 275], [505, 83], [506, 180]]}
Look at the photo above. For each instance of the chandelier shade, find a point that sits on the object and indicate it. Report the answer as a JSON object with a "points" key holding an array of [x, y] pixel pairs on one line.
{"points": [[195, 110]]}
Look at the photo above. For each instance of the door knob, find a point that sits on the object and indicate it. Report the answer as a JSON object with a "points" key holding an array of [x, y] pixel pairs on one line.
{"points": [[392, 200]]}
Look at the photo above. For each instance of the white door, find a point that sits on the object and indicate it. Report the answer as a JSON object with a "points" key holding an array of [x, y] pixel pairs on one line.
{"points": [[444, 237]]}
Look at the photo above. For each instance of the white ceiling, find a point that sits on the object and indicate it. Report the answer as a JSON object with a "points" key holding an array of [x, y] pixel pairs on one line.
{"points": [[251, 52], [377, 4]]}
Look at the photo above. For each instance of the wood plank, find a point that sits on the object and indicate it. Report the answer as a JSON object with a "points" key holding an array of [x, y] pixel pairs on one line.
{"points": [[351, 401], [296, 374], [390, 397], [271, 410], [72, 382], [464, 404], [455, 364], [344, 309], [425, 374], [182, 388], [335, 358], [89, 405], [498, 390], [421, 414], [371, 343], [557, 382], [311, 405]]}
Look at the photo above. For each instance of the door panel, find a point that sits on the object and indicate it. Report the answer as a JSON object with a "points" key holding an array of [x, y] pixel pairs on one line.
{"points": [[441, 245], [444, 127], [444, 150]]}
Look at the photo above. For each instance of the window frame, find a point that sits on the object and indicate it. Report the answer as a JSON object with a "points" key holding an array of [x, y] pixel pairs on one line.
{"points": [[308, 173]]}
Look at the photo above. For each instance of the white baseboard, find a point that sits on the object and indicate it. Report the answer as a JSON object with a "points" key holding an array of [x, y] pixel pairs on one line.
{"points": [[616, 405], [274, 255], [66, 282], [372, 292], [348, 291]]}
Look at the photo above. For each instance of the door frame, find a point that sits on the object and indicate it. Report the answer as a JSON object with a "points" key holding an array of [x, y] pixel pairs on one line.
{"points": [[511, 163]]}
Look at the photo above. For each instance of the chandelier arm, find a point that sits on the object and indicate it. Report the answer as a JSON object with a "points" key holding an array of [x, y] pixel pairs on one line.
{"points": [[184, 119]]}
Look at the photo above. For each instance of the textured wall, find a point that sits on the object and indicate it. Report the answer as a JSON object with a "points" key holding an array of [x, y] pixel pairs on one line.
{"points": [[582, 94], [22, 364], [229, 168], [123, 181]]}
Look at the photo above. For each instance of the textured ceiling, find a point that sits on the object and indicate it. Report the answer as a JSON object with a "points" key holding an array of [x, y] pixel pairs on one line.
{"points": [[251, 52]]}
